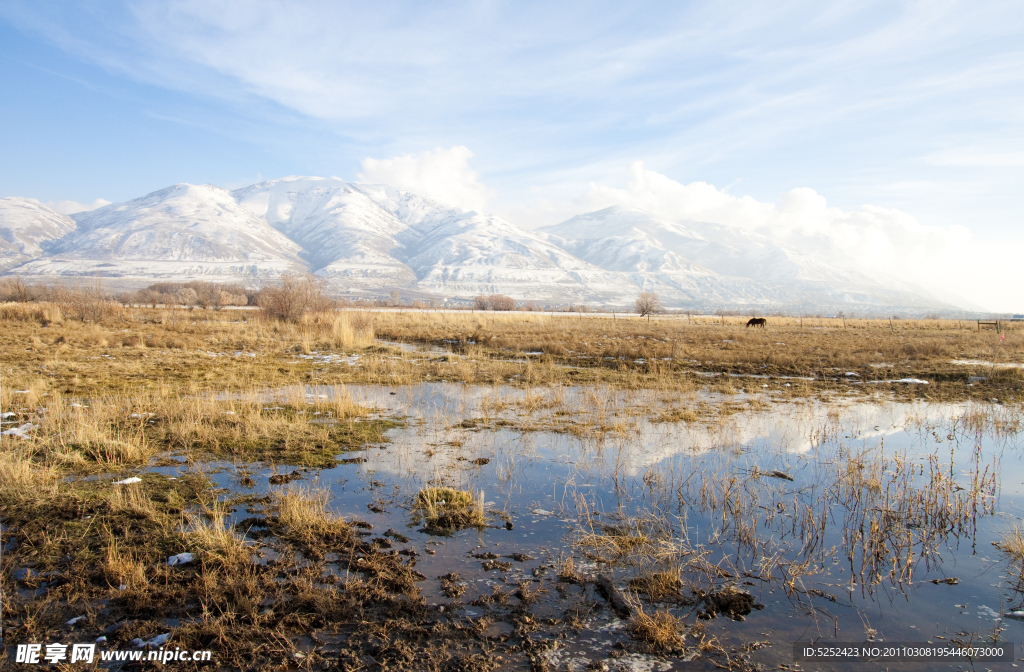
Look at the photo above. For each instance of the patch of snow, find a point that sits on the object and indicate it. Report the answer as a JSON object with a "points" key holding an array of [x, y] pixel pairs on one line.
{"points": [[21, 431]]}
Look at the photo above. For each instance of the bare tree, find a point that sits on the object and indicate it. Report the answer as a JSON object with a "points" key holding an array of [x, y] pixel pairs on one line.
{"points": [[84, 301], [14, 288], [501, 302], [481, 302], [295, 296], [186, 296], [647, 303]]}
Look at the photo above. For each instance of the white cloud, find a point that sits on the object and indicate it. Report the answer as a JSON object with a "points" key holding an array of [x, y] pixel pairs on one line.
{"points": [[881, 242], [71, 207], [443, 175], [871, 238]]}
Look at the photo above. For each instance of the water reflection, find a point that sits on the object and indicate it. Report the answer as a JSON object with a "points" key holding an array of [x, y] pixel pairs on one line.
{"points": [[847, 519]]}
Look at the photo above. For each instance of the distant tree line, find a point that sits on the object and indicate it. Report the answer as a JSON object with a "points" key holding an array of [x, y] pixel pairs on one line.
{"points": [[494, 302], [195, 294]]}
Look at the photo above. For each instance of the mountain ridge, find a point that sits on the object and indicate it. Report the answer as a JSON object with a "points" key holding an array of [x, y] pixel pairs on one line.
{"points": [[367, 239]]}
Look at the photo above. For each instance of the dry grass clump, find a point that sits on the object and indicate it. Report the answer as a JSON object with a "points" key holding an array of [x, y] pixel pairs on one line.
{"points": [[657, 586], [132, 499], [612, 543], [1011, 543], [208, 533], [661, 631], [44, 314], [113, 432], [337, 330], [103, 433], [22, 476], [304, 513], [446, 510], [566, 570], [124, 567]]}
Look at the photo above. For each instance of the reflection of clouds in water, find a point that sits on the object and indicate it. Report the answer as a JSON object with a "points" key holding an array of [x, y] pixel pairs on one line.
{"points": [[433, 440]]}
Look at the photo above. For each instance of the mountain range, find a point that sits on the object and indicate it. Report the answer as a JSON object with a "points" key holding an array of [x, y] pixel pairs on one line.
{"points": [[367, 240]]}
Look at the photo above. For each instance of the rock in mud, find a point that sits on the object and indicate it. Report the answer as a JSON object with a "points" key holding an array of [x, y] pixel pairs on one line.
{"points": [[450, 586], [281, 479], [730, 601], [496, 564], [614, 597], [397, 536]]}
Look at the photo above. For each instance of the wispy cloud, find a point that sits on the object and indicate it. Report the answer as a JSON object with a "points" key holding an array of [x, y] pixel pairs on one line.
{"points": [[913, 106], [71, 207]]}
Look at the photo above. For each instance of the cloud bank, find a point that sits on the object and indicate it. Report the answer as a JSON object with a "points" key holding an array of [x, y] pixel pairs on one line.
{"points": [[869, 238], [443, 175], [948, 261]]}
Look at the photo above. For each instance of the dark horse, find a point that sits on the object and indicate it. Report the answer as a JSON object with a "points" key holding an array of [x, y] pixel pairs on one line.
{"points": [[757, 322]]}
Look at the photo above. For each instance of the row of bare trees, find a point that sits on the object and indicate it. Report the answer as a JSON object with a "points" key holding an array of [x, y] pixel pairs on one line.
{"points": [[494, 302], [197, 293], [291, 298]]}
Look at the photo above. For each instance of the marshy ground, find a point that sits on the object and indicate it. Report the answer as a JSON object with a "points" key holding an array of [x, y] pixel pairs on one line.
{"points": [[431, 491]]}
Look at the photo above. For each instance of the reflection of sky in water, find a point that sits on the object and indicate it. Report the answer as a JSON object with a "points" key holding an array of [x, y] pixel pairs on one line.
{"points": [[539, 478]]}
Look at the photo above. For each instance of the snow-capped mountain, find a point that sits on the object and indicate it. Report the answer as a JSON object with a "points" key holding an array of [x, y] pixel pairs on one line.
{"points": [[183, 230], [369, 239], [369, 236], [698, 263], [26, 226]]}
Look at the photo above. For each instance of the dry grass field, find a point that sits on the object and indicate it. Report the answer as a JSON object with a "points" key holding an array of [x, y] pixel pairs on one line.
{"points": [[181, 351], [112, 390]]}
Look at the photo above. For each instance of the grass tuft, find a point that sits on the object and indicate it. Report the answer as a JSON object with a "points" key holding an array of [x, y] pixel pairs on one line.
{"points": [[661, 631], [446, 510]]}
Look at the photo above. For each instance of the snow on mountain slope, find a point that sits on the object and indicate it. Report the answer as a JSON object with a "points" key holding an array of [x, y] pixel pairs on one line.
{"points": [[473, 254], [182, 230], [376, 235], [26, 226], [698, 262], [370, 239]]}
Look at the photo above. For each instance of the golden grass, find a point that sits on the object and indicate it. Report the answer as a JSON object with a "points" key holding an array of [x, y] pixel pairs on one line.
{"points": [[660, 631], [129, 429], [447, 509], [21, 475], [657, 585], [1011, 543], [123, 566], [236, 350], [132, 499], [303, 511], [207, 533]]}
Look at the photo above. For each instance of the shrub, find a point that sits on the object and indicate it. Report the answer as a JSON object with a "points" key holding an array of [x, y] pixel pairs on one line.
{"points": [[293, 297]]}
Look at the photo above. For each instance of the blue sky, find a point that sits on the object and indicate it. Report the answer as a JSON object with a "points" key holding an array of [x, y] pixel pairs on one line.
{"points": [[538, 111]]}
